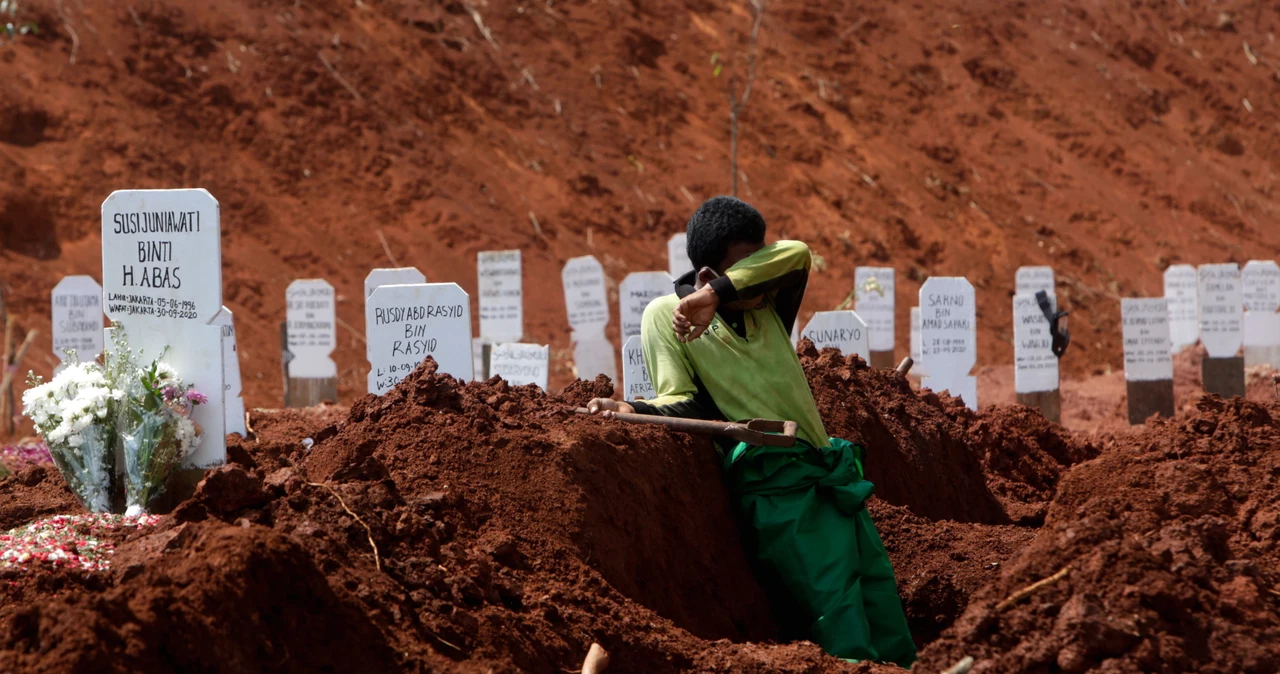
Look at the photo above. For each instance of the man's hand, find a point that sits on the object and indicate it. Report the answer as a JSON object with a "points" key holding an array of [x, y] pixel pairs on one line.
{"points": [[694, 314], [609, 408]]}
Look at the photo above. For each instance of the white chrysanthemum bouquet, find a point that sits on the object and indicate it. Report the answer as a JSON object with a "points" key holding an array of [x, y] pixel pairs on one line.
{"points": [[88, 411], [74, 414]]}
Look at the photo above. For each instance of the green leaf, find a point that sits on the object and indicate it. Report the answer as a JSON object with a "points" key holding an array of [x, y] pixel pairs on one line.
{"points": [[716, 72]]}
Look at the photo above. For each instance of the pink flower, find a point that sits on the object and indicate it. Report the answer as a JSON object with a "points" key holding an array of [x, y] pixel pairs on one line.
{"points": [[196, 398]]}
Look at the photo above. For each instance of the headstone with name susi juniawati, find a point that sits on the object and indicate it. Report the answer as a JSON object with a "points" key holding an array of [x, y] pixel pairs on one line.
{"points": [[949, 337], [407, 323], [1148, 357], [162, 281]]}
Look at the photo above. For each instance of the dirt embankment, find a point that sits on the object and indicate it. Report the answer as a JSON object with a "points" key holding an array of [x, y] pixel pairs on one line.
{"points": [[480, 527]]}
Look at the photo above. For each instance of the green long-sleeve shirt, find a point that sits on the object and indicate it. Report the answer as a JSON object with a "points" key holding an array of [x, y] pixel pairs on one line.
{"points": [[744, 366]]}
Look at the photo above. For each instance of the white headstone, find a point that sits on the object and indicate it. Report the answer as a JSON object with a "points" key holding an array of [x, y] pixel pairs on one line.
{"points": [[843, 330], [678, 263], [638, 289], [949, 337], [636, 384], [311, 320], [407, 323], [501, 296], [233, 385], [77, 317], [585, 296], [1180, 288], [1145, 328], [1030, 280], [477, 359], [874, 287], [1221, 309], [162, 280], [594, 356], [1261, 282], [521, 364], [391, 276], [917, 367], [1035, 366]]}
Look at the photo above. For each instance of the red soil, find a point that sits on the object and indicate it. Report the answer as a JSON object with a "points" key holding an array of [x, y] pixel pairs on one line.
{"points": [[465, 528], [942, 138]]}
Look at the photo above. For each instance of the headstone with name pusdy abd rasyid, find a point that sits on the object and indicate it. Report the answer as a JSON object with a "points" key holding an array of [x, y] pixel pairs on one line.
{"points": [[404, 324]]}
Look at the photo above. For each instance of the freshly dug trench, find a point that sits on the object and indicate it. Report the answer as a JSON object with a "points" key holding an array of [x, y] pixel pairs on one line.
{"points": [[935, 456], [469, 527]]}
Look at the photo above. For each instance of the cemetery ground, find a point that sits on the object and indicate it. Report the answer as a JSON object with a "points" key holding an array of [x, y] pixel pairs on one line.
{"points": [[450, 527]]}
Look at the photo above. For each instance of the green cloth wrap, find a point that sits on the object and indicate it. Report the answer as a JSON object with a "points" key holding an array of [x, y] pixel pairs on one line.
{"points": [[805, 507]]}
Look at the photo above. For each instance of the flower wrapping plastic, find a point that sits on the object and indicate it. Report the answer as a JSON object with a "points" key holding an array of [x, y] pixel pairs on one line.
{"points": [[154, 424], [73, 414]]}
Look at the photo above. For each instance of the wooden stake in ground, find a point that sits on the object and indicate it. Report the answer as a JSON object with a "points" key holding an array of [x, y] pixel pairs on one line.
{"points": [[9, 374], [736, 105], [597, 660]]}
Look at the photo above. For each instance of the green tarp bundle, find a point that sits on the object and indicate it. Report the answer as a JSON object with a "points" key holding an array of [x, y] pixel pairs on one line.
{"points": [[805, 509]]}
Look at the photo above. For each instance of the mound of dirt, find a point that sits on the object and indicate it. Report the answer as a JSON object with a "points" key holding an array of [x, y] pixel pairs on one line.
{"points": [[1164, 554], [935, 456], [456, 526], [482, 527]]}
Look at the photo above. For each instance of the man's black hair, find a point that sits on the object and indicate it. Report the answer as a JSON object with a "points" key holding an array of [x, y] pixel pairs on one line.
{"points": [[719, 223]]}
